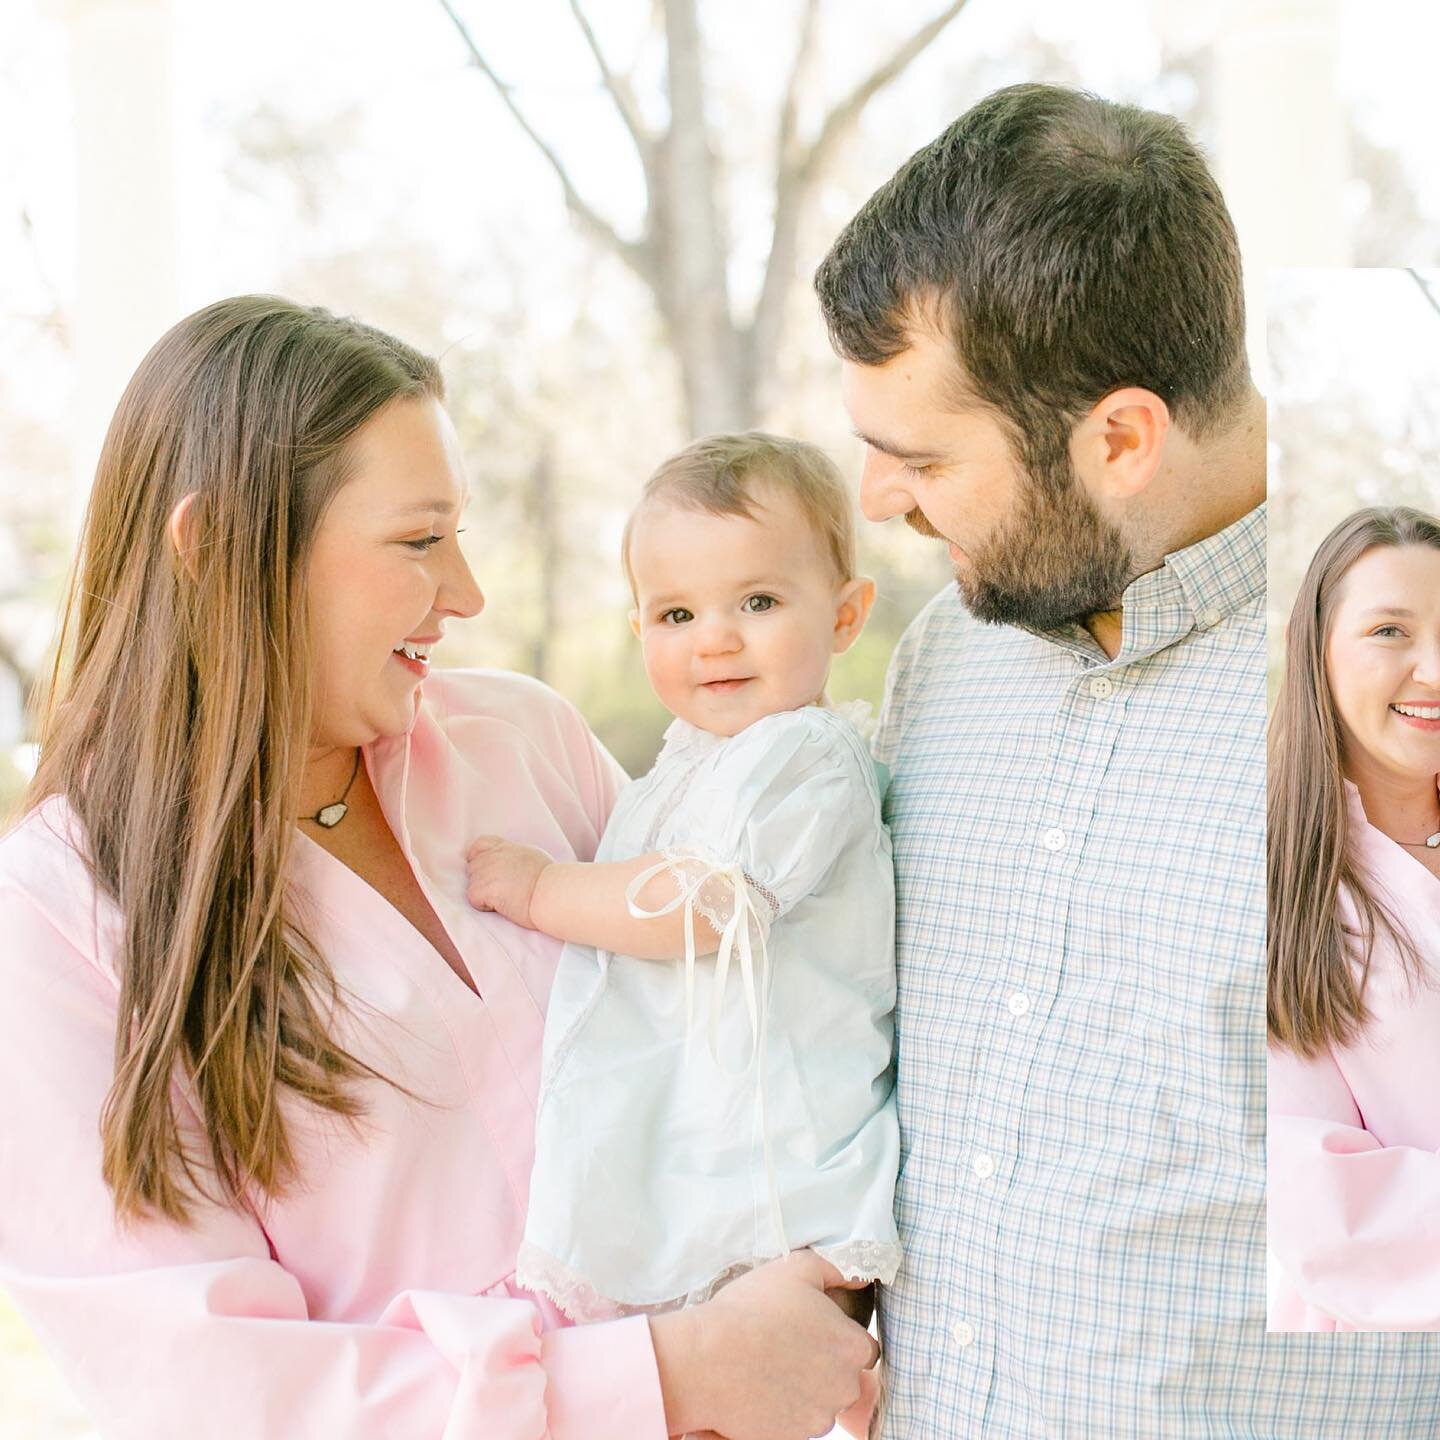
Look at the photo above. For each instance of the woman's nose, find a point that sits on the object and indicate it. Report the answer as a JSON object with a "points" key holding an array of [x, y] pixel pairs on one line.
{"points": [[882, 492], [1427, 666], [460, 594]]}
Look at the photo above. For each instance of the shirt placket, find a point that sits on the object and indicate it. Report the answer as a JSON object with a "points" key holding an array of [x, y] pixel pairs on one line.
{"points": [[989, 1160]]}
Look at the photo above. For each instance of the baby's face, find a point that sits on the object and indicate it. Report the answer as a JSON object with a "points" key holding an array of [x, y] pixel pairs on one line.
{"points": [[737, 618]]}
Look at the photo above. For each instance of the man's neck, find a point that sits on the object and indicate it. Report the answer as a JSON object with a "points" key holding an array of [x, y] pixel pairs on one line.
{"points": [[1208, 488]]}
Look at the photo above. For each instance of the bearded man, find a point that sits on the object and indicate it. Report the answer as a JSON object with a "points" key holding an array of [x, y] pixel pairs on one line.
{"points": [[1041, 323]]}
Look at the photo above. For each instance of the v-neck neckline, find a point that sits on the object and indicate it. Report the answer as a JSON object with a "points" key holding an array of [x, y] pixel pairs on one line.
{"points": [[1389, 840], [470, 986]]}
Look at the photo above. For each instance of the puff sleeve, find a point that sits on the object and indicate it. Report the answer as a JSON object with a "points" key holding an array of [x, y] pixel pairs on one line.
{"points": [[169, 1331], [1354, 1225]]}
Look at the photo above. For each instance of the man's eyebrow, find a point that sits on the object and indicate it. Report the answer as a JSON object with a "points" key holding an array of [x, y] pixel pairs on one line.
{"points": [[894, 450]]}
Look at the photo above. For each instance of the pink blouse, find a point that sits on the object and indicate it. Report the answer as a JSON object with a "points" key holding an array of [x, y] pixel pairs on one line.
{"points": [[377, 1299], [1354, 1173]]}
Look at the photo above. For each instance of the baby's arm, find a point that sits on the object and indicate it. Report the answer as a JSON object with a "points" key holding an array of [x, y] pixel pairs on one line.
{"points": [[583, 903]]}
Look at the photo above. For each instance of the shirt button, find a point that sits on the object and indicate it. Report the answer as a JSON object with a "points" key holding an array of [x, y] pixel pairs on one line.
{"points": [[1209, 619], [1018, 1003], [984, 1166], [962, 1332], [1053, 839], [1101, 687]]}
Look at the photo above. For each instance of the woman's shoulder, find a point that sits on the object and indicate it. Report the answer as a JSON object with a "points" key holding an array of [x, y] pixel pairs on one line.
{"points": [[44, 871], [503, 695], [487, 703], [42, 849]]}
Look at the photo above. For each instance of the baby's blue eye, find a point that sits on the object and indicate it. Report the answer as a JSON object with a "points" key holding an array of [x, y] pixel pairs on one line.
{"points": [[677, 616], [759, 604]]}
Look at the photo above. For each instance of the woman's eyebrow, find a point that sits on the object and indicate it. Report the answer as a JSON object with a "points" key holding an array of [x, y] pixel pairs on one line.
{"points": [[1390, 610], [429, 507]]}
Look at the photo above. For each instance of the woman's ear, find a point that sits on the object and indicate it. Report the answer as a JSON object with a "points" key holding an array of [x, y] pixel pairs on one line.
{"points": [[852, 609], [182, 530]]}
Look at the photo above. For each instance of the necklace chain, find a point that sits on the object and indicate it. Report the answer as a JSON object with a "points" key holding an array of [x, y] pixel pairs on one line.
{"points": [[329, 816]]}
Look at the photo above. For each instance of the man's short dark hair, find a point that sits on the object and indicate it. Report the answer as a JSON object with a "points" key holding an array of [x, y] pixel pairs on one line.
{"points": [[1067, 246]]}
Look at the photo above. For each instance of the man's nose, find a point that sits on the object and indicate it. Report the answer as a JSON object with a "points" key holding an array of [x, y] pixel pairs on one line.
{"points": [[883, 493]]}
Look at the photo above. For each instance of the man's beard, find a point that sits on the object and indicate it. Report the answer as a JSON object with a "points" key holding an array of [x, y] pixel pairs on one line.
{"points": [[1055, 560]]}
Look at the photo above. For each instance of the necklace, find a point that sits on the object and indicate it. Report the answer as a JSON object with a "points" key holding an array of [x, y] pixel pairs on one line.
{"points": [[1430, 842], [331, 815]]}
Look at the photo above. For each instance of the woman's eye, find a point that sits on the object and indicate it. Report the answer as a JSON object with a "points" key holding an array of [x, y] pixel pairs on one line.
{"points": [[1388, 632], [759, 604], [423, 544], [678, 616]]}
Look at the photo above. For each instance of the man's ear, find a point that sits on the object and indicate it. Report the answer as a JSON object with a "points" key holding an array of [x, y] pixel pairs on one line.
{"points": [[852, 609], [1119, 444], [182, 530], [635, 622]]}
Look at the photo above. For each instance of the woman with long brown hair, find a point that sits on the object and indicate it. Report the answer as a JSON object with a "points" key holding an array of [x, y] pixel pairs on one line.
{"points": [[1354, 949], [267, 1081]]}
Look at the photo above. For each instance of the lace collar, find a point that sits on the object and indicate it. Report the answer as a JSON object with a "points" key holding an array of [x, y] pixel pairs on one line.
{"points": [[684, 741]]}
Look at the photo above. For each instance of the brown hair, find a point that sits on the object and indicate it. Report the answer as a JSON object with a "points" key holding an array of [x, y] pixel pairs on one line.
{"points": [[719, 474], [1068, 247], [1316, 997], [178, 727]]}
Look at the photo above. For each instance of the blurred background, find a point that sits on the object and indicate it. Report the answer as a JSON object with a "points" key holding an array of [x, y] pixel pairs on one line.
{"points": [[604, 218], [1354, 410]]}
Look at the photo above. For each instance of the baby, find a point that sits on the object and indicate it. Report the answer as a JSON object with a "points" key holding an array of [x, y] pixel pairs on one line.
{"points": [[667, 1162]]}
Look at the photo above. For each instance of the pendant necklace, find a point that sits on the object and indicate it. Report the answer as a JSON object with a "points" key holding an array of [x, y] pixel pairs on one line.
{"points": [[1430, 842], [331, 815]]}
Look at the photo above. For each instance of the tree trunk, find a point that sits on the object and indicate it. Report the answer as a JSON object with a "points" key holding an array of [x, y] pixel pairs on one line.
{"points": [[695, 287]]}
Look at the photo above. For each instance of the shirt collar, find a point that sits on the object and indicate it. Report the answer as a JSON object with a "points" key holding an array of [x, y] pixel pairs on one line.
{"points": [[1193, 590]]}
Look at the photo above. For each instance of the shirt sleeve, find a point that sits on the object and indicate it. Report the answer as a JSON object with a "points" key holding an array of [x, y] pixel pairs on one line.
{"points": [[169, 1331], [1355, 1225], [784, 802]]}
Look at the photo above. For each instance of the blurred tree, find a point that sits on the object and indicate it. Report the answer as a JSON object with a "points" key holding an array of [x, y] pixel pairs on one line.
{"points": [[681, 255]]}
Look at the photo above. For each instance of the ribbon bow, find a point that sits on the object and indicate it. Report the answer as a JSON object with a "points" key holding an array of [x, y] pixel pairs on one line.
{"points": [[734, 937]]}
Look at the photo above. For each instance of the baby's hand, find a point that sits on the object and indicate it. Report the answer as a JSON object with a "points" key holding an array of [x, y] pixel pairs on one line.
{"points": [[503, 876]]}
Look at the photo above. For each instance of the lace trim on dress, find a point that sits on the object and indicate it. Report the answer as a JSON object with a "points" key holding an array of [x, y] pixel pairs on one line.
{"points": [[539, 1272]]}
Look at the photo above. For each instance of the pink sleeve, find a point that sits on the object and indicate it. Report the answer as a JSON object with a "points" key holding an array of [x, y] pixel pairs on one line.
{"points": [[167, 1331], [1354, 1225]]}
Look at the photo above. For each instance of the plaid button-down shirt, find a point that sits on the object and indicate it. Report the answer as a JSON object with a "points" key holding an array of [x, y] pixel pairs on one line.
{"points": [[1080, 890]]}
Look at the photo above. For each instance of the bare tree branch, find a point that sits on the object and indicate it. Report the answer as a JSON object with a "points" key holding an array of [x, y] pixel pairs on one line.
{"points": [[790, 108], [848, 110], [796, 174], [634, 255], [620, 91]]}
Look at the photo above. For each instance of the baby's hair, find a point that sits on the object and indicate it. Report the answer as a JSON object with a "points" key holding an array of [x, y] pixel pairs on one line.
{"points": [[718, 474]]}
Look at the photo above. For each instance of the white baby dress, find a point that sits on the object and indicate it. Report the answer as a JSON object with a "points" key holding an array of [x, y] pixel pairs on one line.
{"points": [[663, 1168]]}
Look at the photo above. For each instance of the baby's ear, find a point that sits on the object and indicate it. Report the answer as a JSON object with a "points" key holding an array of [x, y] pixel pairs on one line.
{"points": [[852, 609], [635, 622]]}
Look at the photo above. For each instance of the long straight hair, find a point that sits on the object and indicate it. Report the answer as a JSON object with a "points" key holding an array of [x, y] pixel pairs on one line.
{"points": [[178, 725], [1317, 967]]}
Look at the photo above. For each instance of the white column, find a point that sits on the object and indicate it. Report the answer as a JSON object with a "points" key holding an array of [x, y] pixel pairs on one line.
{"points": [[1282, 152], [125, 285]]}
